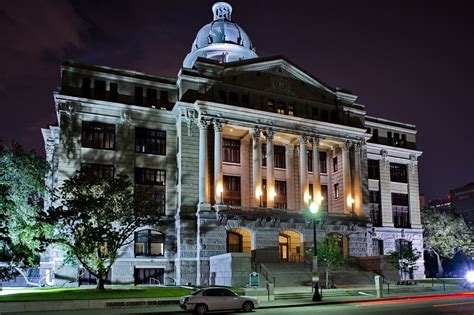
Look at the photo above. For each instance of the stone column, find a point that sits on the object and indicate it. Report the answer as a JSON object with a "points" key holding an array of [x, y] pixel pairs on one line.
{"points": [[203, 166], [346, 169], [385, 190], [414, 193], [317, 197], [256, 168], [270, 169], [218, 175], [304, 187], [357, 192], [292, 196]]}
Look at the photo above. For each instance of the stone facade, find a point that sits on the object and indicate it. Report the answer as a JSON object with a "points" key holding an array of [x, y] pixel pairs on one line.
{"points": [[214, 192]]}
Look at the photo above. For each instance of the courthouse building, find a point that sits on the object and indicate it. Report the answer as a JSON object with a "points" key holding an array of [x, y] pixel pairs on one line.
{"points": [[235, 147]]}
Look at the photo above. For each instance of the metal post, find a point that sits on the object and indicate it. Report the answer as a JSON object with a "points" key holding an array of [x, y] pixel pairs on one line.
{"points": [[316, 294]]}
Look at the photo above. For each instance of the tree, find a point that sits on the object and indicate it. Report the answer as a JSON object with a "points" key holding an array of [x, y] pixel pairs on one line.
{"points": [[22, 191], [445, 234], [330, 255], [404, 258], [94, 217]]}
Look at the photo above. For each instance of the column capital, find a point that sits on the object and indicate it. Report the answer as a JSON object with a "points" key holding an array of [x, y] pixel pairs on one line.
{"points": [[347, 145], [218, 125], [255, 132], [303, 139], [269, 134], [203, 123], [316, 140]]}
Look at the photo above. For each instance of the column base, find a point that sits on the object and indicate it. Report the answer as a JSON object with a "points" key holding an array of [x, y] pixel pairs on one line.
{"points": [[204, 207], [220, 207]]}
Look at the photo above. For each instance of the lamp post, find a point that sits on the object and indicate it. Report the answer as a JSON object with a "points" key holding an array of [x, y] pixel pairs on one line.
{"points": [[352, 202], [313, 208]]}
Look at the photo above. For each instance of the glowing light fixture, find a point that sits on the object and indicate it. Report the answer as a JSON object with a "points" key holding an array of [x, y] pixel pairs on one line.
{"points": [[350, 201], [220, 189], [273, 194], [313, 207], [470, 276]]}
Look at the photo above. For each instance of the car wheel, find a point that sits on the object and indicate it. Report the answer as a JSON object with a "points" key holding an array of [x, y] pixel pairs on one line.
{"points": [[247, 307], [201, 309]]}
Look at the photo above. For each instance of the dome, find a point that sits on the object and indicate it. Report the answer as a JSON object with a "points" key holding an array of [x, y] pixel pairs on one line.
{"points": [[221, 40]]}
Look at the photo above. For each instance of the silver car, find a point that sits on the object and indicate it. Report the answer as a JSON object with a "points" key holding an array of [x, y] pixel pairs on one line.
{"points": [[217, 299]]}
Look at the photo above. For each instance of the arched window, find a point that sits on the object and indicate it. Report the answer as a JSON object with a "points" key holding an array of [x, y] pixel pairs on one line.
{"points": [[149, 243], [238, 241]]}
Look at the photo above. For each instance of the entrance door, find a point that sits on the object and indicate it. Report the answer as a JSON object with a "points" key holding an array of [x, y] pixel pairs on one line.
{"points": [[149, 276], [284, 248]]}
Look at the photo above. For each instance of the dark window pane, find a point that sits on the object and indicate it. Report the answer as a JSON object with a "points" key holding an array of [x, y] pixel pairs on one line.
{"points": [[280, 198], [113, 93], [231, 193], [150, 141], [231, 150], [99, 89], [148, 176], [98, 170], [322, 162], [233, 98], [398, 173], [98, 135], [149, 243], [86, 87], [138, 95], [279, 156], [151, 98], [374, 169], [335, 167]]}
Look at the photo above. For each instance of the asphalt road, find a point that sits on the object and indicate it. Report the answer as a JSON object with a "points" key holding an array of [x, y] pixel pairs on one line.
{"points": [[423, 306]]}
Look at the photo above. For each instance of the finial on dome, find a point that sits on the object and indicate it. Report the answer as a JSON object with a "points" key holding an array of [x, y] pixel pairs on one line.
{"points": [[222, 11]]}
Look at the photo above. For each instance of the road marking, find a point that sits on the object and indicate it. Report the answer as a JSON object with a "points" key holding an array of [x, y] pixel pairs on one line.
{"points": [[453, 304]]}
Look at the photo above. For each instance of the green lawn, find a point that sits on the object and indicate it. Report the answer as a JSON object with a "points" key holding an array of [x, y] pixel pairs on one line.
{"points": [[441, 280], [88, 293]]}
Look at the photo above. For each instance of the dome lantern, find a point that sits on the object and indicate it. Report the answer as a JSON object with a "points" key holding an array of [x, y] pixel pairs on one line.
{"points": [[222, 39]]}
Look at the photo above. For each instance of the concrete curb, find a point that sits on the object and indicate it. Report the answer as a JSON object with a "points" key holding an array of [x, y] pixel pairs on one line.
{"points": [[399, 297]]}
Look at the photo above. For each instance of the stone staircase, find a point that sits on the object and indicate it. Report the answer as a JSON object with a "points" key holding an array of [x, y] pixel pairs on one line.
{"points": [[285, 274]]}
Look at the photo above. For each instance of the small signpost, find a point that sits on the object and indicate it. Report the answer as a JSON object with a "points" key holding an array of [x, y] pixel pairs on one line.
{"points": [[254, 279]]}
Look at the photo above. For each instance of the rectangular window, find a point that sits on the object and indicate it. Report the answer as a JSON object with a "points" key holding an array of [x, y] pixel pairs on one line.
{"points": [[324, 194], [113, 92], [150, 141], [374, 169], [280, 198], [233, 98], [98, 135], [99, 89], [271, 105], [336, 191], [377, 247], [281, 108], [223, 96], [324, 115], [138, 95], [152, 182], [148, 176], [334, 117], [279, 156], [399, 200], [98, 170], [398, 173], [231, 150], [151, 98], [309, 154], [231, 194], [322, 162], [149, 243], [264, 154], [245, 100], [149, 276], [334, 164], [291, 110], [375, 136], [86, 87], [374, 196], [315, 113], [164, 99]]}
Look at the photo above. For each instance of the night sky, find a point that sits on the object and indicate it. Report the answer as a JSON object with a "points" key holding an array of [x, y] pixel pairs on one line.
{"points": [[410, 61]]}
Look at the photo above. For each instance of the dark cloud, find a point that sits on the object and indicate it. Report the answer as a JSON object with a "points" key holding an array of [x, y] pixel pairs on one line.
{"points": [[407, 60]]}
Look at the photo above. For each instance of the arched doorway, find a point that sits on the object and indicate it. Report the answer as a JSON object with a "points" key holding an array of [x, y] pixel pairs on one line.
{"points": [[238, 241], [290, 246], [342, 242]]}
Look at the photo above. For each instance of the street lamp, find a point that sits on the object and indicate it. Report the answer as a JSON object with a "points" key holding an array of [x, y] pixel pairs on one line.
{"points": [[313, 208]]}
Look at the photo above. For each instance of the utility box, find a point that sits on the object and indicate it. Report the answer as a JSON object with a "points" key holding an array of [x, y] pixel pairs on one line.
{"points": [[379, 286]]}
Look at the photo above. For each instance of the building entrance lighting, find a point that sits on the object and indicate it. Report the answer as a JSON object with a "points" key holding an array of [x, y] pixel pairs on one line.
{"points": [[220, 193], [314, 209], [258, 193], [351, 202]]}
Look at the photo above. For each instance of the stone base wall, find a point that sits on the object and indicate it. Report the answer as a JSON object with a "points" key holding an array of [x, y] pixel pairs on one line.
{"points": [[232, 269]]}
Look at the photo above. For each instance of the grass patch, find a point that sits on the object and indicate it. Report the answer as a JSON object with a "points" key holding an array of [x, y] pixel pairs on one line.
{"points": [[459, 281], [89, 293]]}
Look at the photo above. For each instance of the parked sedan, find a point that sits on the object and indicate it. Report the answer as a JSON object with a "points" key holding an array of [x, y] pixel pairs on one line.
{"points": [[217, 299]]}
